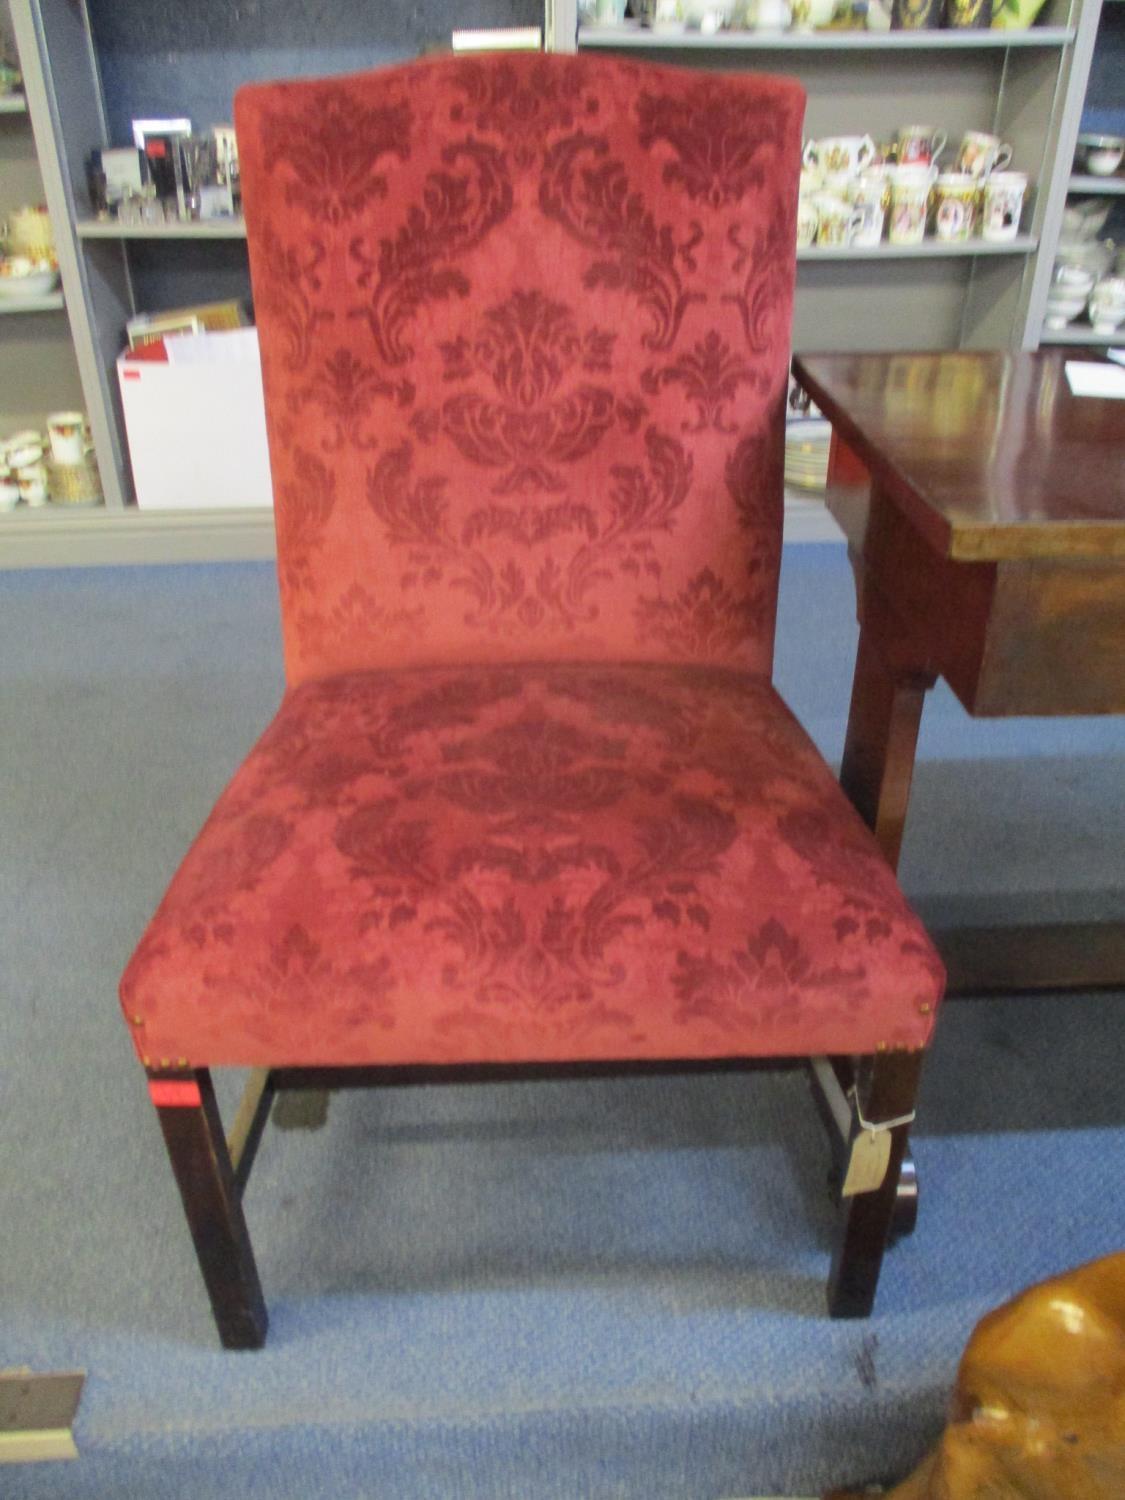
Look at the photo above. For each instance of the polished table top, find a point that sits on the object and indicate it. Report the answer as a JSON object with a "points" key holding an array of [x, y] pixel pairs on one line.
{"points": [[988, 454]]}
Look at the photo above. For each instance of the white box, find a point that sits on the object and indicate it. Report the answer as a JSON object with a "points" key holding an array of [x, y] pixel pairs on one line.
{"points": [[195, 418]]}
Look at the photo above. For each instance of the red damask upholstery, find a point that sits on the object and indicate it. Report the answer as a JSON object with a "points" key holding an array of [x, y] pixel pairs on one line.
{"points": [[532, 863], [530, 796], [525, 328]]}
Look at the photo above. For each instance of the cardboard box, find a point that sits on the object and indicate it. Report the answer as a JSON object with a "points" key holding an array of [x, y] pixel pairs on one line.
{"points": [[195, 419]]}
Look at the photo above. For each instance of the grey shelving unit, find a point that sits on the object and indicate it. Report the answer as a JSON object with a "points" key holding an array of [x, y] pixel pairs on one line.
{"points": [[202, 229], [38, 369], [1109, 38], [638, 38], [1027, 86]]}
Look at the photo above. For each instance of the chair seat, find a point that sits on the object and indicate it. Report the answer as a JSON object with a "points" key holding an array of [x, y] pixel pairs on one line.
{"points": [[535, 863]]}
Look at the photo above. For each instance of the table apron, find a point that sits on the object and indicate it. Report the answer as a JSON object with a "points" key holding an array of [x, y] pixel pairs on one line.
{"points": [[1033, 636]]}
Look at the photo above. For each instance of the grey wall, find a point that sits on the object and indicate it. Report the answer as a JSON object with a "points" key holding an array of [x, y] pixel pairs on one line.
{"points": [[189, 56]]}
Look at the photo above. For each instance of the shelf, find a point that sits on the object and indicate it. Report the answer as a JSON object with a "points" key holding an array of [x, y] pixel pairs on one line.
{"points": [[183, 229], [52, 303], [931, 249], [1083, 335], [1100, 186], [828, 41], [98, 229], [13, 104]]}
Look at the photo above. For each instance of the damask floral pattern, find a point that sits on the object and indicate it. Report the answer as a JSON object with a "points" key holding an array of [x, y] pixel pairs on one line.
{"points": [[346, 389], [513, 599], [761, 299], [709, 374], [507, 328], [526, 347], [523, 104], [334, 151], [722, 146], [588, 193], [531, 863], [462, 203]]}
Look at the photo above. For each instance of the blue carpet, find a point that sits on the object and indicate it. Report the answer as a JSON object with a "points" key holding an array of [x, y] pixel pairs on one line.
{"points": [[551, 1290]]}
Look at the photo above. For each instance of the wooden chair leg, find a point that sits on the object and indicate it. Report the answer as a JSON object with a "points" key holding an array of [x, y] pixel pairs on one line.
{"points": [[888, 1085], [193, 1132]]}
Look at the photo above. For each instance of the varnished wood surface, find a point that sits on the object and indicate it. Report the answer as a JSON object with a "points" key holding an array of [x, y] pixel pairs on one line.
{"points": [[988, 454], [1055, 956]]}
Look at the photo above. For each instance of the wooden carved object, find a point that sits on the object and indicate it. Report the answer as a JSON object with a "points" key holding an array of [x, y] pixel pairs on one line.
{"points": [[1038, 1411]]}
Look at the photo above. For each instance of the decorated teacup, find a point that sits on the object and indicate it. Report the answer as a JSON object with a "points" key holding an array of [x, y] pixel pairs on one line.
{"points": [[807, 220], [982, 153], [837, 220], [1107, 304], [840, 153], [1003, 205], [956, 195], [920, 145]]}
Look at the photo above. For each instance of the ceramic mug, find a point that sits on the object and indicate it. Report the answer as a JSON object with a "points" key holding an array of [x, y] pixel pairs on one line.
{"points": [[1003, 204], [32, 482], [910, 199], [1107, 304], [66, 432], [837, 220], [955, 205], [982, 153], [1066, 279], [920, 145], [846, 154], [767, 15], [1101, 155], [915, 15], [807, 220], [960, 14], [838, 183], [870, 192], [23, 449]]}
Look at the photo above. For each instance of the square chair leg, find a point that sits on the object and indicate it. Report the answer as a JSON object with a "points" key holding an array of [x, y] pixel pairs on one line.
{"points": [[197, 1148], [887, 1085]]}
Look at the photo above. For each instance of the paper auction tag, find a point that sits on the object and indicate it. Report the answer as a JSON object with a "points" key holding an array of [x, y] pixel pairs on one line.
{"points": [[868, 1159]]}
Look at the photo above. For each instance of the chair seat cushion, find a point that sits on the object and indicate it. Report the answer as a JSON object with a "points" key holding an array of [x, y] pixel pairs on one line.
{"points": [[530, 863]]}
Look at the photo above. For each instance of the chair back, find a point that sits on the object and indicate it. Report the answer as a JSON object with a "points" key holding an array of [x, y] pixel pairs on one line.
{"points": [[525, 328]]}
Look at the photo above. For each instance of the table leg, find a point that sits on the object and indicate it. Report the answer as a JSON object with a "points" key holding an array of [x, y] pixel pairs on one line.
{"points": [[878, 763]]}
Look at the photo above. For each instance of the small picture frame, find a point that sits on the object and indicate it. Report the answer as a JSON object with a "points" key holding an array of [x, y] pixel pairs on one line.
{"points": [[142, 129]]}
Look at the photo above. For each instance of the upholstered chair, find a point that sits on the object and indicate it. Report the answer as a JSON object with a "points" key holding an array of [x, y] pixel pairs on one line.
{"points": [[530, 804]]}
